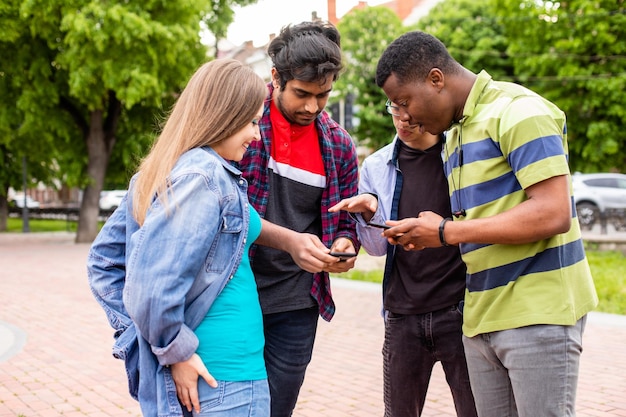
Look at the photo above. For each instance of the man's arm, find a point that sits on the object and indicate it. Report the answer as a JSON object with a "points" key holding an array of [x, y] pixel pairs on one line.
{"points": [[365, 206], [546, 212], [307, 251], [373, 203]]}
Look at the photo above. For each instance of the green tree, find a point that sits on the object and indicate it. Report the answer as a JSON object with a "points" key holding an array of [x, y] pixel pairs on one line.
{"points": [[14, 148], [569, 52], [365, 34], [574, 54], [83, 81], [472, 34], [220, 16]]}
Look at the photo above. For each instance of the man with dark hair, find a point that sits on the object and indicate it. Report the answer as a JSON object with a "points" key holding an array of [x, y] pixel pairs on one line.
{"points": [[304, 164], [529, 287]]}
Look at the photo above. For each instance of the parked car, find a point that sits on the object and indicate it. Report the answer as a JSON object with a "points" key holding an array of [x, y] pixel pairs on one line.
{"points": [[110, 200], [18, 200], [596, 194]]}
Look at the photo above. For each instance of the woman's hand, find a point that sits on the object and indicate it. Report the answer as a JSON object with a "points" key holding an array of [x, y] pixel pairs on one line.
{"points": [[185, 375]]}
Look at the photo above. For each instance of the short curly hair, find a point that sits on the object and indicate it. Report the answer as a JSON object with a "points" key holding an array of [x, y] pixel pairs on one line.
{"points": [[412, 56]]}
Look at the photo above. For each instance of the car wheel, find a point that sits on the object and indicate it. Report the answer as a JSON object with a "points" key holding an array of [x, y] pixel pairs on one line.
{"points": [[618, 219], [588, 214]]}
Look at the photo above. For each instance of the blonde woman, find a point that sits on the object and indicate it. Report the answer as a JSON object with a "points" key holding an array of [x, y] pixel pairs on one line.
{"points": [[189, 324], [195, 223]]}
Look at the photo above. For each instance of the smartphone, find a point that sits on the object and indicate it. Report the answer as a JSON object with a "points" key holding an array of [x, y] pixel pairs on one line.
{"points": [[343, 256], [382, 226]]}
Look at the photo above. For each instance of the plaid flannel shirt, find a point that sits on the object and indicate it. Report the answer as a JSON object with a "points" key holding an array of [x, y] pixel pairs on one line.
{"points": [[341, 167]]}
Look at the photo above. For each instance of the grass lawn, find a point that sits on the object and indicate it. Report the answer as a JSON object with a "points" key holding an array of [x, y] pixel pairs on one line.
{"points": [[14, 225], [609, 274]]}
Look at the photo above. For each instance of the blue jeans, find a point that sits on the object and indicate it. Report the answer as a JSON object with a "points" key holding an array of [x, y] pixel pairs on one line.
{"points": [[413, 344], [234, 399], [528, 372], [289, 338]]}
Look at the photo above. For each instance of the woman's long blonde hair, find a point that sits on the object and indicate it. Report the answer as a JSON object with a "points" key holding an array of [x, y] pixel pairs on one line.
{"points": [[220, 99]]}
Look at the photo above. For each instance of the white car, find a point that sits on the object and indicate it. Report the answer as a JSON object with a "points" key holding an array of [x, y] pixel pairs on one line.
{"points": [[18, 199], [110, 200], [596, 194]]}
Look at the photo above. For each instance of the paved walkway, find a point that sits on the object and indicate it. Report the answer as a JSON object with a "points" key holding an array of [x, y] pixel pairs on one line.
{"points": [[55, 347]]}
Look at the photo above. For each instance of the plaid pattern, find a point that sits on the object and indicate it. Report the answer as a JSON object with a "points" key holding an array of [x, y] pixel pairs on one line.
{"points": [[340, 163]]}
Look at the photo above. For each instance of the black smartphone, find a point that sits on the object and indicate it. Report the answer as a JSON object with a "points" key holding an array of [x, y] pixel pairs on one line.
{"points": [[343, 256], [382, 226]]}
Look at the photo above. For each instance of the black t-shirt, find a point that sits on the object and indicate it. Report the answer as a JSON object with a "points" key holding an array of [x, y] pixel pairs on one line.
{"points": [[282, 285], [433, 278]]}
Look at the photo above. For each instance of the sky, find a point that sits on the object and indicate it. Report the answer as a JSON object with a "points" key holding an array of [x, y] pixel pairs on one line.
{"points": [[256, 22]]}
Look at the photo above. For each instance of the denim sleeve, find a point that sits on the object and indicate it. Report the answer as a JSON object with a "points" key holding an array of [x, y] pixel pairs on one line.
{"points": [[106, 272], [165, 257], [106, 268]]}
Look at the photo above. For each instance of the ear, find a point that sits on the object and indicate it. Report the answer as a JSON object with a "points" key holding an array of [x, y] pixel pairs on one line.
{"points": [[275, 78], [436, 78]]}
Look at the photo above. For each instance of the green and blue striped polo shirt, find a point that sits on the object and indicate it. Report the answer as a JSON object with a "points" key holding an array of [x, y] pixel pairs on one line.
{"points": [[509, 139]]}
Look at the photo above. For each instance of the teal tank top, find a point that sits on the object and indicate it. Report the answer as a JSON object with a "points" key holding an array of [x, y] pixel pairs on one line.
{"points": [[231, 334]]}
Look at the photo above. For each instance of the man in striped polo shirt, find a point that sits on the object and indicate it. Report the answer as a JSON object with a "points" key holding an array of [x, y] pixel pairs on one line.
{"points": [[529, 287]]}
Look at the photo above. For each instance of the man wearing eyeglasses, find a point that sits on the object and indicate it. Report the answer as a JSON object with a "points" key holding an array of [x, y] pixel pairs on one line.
{"points": [[421, 289]]}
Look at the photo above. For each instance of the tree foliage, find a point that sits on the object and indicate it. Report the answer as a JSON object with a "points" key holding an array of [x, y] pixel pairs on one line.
{"points": [[220, 15], [365, 34], [471, 34], [85, 81], [570, 52], [573, 52]]}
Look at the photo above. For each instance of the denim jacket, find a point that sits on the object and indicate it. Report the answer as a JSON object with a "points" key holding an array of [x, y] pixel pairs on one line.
{"points": [[157, 282]]}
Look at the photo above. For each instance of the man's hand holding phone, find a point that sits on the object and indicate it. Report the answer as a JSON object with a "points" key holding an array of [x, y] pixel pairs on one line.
{"points": [[391, 238], [343, 256], [379, 225]]}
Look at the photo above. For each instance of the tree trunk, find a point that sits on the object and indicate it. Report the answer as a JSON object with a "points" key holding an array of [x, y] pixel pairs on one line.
{"points": [[4, 213], [100, 139], [99, 152]]}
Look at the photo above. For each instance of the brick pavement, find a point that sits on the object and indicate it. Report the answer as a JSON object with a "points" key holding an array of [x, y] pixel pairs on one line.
{"points": [[55, 347]]}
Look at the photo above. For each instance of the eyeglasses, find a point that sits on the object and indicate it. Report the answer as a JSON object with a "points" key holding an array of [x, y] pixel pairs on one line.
{"points": [[391, 109]]}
